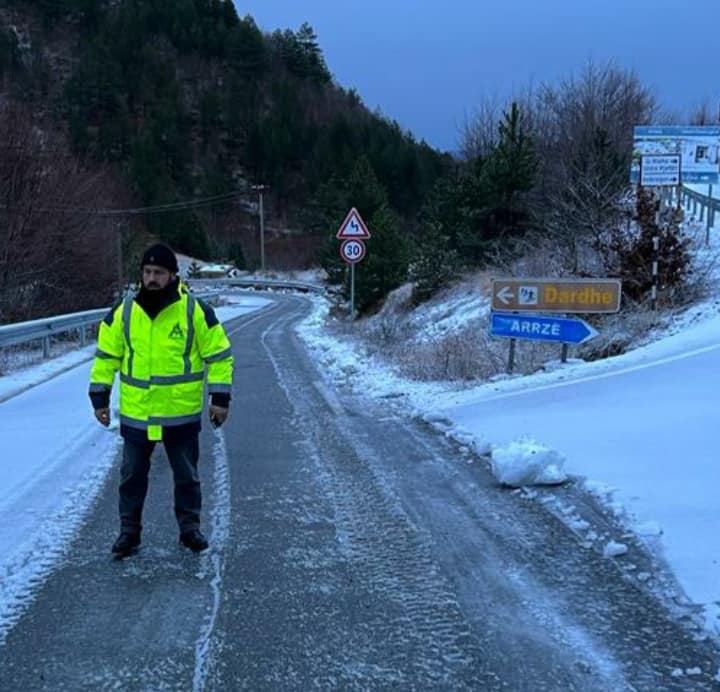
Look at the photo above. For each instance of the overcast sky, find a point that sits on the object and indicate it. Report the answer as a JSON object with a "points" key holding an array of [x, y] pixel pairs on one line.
{"points": [[427, 65]]}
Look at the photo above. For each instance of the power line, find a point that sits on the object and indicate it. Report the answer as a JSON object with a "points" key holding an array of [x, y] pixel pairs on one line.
{"points": [[161, 208], [139, 211]]}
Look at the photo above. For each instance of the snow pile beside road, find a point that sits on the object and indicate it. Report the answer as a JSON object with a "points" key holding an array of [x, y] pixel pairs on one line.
{"points": [[614, 549], [526, 462]]}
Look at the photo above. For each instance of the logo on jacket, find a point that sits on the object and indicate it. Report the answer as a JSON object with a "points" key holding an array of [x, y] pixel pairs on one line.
{"points": [[176, 332]]}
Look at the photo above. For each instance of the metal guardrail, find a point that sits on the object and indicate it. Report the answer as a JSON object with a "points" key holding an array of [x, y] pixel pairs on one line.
{"points": [[708, 206], [23, 332], [254, 282], [46, 328]]}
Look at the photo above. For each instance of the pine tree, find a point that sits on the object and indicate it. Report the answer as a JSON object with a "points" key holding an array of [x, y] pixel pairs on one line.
{"points": [[385, 266], [445, 226], [245, 49], [433, 265], [510, 171], [501, 182], [314, 60], [630, 256]]}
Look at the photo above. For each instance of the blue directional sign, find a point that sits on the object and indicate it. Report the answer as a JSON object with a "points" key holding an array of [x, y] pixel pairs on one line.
{"points": [[697, 146], [537, 328]]}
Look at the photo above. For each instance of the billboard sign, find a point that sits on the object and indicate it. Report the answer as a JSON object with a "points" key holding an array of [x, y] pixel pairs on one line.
{"points": [[697, 146]]}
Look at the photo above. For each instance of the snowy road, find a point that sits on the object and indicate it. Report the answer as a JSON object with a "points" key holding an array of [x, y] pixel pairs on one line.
{"points": [[352, 548]]}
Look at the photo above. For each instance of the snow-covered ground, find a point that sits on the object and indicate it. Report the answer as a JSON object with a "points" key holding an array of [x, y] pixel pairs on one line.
{"points": [[639, 428], [55, 458]]}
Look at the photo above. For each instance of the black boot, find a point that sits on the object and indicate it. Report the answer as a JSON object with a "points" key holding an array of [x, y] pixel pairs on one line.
{"points": [[126, 544], [194, 540]]}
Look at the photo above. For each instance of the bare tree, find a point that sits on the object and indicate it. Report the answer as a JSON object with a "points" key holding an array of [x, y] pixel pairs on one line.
{"points": [[582, 132], [479, 133], [703, 114], [56, 252], [584, 137], [602, 98]]}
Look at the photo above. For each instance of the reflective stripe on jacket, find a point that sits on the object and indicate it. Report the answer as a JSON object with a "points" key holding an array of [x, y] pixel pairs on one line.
{"points": [[162, 362]]}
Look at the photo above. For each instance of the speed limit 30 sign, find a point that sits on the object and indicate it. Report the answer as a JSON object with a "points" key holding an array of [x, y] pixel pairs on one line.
{"points": [[352, 251]]}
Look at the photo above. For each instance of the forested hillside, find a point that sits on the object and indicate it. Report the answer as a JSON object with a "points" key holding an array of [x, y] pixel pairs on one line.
{"points": [[176, 100], [176, 109]]}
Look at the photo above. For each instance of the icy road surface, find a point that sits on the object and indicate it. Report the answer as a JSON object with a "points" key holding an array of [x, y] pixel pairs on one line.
{"points": [[352, 548]]}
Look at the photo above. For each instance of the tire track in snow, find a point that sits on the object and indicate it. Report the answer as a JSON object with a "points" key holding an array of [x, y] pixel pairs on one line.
{"points": [[390, 556]]}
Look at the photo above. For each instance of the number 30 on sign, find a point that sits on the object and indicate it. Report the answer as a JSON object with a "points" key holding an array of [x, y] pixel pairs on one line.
{"points": [[352, 251]]}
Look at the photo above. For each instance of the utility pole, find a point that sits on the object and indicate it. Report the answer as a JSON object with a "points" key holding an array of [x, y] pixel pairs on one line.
{"points": [[260, 189]]}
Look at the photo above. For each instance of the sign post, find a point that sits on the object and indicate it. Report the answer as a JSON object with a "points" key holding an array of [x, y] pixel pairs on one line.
{"points": [[352, 291], [352, 232], [514, 302]]}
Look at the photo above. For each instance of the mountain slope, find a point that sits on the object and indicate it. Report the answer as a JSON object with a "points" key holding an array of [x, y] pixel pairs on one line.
{"points": [[185, 99]]}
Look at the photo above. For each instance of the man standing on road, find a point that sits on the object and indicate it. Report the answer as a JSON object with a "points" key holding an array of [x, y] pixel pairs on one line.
{"points": [[162, 340]]}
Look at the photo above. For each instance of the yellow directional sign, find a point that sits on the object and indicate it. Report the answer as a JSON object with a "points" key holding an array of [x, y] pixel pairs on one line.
{"points": [[556, 295]]}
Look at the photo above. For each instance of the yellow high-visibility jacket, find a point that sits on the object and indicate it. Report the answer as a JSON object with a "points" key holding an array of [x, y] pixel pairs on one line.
{"points": [[162, 362]]}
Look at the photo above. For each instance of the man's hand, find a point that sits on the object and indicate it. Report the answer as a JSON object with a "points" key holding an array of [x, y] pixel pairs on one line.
{"points": [[103, 416], [218, 415]]}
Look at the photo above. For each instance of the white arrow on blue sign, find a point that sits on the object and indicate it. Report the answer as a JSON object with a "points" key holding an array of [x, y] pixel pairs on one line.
{"points": [[537, 328]]}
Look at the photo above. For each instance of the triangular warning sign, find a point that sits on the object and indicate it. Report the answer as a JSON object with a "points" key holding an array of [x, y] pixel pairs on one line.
{"points": [[353, 227]]}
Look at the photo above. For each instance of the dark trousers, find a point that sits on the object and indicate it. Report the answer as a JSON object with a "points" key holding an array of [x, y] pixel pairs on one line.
{"points": [[183, 454]]}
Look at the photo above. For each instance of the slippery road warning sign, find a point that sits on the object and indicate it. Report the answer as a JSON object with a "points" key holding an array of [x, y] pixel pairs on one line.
{"points": [[353, 228]]}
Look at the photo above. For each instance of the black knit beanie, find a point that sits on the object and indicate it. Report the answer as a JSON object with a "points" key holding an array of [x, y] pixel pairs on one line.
{"points": [[162, 256]]}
